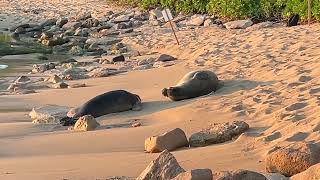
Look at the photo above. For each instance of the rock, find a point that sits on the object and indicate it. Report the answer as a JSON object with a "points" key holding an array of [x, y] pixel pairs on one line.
{"points": [[292, 159], [238, 175], [136, 124], [123, 25], [103, 41], [22, 79], [76, 50], [82, 32], [74, 74], [275, 176], [60, 85], [163, 168], [77, 85], [154, 23], [240, 24], [43, 67], [218, 133], [208, 23], [99, 72], [196, 174], [71, 25], [61, 21], [143, 67], [48, 114], [48, 22], [157, 13], [83, 16], [24, 26], [293, 20], [86, 123], [20, 30], [54, 79], [91, 22], [312, 173], [260, 26], [54, 41], [170, 141], [72, 112], [165, 58], [119, 58], [122, 18], [196, 20]]}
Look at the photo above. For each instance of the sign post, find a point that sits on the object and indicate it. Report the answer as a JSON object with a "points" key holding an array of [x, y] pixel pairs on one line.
{"points": [[168, 17], [309, 12]]}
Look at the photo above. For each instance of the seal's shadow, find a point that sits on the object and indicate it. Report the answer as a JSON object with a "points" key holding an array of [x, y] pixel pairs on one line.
{"points": [[232, 86]]}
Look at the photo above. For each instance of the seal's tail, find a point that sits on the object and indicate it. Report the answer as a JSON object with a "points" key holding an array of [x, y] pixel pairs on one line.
{"points": [[68, 121]]}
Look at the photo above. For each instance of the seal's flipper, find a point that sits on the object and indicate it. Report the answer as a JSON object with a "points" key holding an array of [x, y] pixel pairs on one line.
{"points": [[67, 121]]}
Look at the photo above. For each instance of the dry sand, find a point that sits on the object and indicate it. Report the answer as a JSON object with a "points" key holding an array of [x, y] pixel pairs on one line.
{"points": [[271, 81]]}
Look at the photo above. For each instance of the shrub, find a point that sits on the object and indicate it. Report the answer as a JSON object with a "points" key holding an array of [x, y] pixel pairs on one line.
{"points": [[236, 9]]}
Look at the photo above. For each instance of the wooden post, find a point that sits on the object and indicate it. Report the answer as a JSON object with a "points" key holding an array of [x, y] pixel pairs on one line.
{"points": [[309, 12], [174, 33]]}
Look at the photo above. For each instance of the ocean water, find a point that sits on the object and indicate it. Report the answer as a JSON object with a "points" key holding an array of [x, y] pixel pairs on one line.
{"points": [[3, 66]]}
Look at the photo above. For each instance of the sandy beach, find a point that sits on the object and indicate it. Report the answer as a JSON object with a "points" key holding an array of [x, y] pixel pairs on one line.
{"points": [[270, 81]]}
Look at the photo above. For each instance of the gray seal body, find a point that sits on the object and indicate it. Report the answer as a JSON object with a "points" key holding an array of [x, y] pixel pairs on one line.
{"points": [[107, 103], [193, 84]]}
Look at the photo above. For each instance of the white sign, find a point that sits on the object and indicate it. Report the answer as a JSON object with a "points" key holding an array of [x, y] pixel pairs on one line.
{"points": [[167, 15]]}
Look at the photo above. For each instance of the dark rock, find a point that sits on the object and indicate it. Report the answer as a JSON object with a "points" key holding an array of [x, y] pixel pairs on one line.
{"points": [[54, 41], [20, 30], [48, 22], [118, 59], [83, 16], [12, 29], [165, 58], [72, 25], [61, 21], [89, 23], [293, 20]]}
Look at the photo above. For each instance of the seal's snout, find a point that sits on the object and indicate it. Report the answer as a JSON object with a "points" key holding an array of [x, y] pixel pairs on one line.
{"points": [[165, 92]]}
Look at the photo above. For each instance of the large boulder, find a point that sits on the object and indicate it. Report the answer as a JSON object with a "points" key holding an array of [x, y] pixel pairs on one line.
{"points": [[86, 123], [238, 175], [292, 159], [240, 24], [54, 79], [163, 168], [89, 23], [312, 173], [170, 141], [49, 114], [218, 133], [196, 174]]}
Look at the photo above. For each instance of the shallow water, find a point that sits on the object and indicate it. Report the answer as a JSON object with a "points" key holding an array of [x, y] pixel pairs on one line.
{"points": [[3, 66]]}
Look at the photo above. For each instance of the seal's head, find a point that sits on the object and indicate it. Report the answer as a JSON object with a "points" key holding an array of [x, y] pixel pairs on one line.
{"points": [[174, 93]]}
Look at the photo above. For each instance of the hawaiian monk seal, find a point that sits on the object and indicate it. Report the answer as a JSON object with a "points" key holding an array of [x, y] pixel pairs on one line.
{"points": [[107, 103], [193, 84]]}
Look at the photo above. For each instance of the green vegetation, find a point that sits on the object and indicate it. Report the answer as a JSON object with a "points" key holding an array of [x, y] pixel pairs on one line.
{"points": [[236, 9]]}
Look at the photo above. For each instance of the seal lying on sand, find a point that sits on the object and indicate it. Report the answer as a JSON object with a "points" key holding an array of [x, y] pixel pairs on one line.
{"points": [[193, 84], [110, 102]]}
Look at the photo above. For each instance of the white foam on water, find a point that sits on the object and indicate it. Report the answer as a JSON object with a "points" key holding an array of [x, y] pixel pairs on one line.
{"points": [[2, 66]]}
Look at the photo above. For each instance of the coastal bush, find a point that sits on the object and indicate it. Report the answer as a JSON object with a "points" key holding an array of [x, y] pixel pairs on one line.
{"points": [[237, 9]]}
